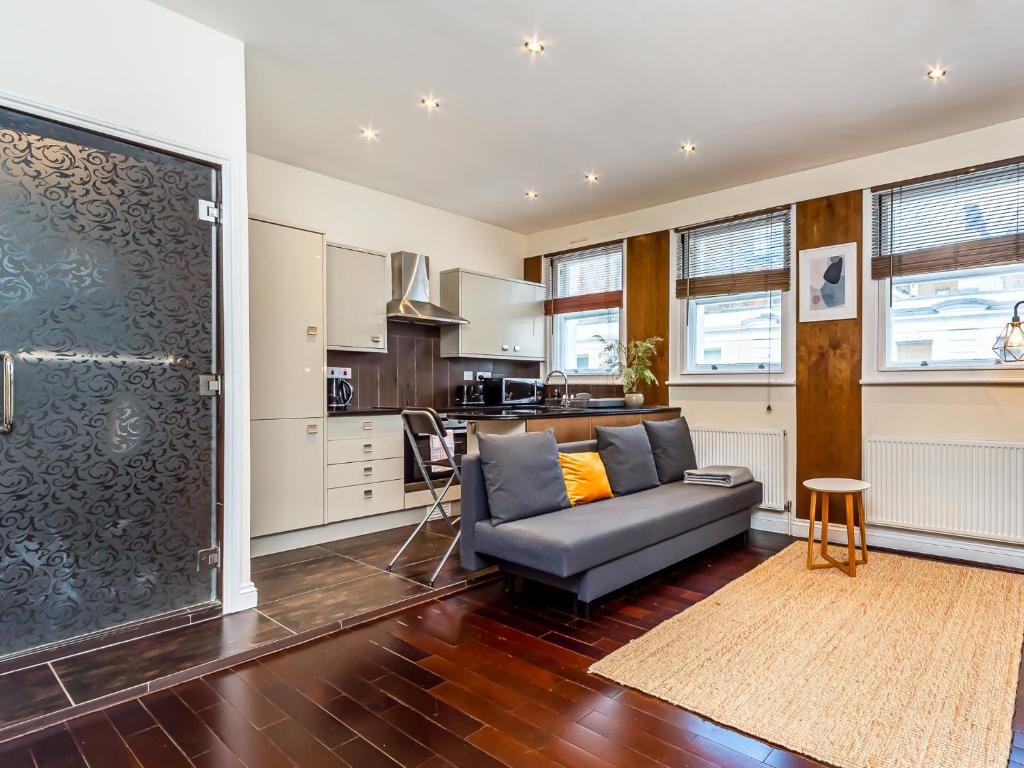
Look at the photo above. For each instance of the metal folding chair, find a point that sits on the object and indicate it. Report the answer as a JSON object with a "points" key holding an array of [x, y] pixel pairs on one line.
{"points": [[426, 421]]}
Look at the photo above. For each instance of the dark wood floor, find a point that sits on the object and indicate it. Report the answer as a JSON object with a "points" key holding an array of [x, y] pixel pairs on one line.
{"points": [[303, 592], [472, 680]]}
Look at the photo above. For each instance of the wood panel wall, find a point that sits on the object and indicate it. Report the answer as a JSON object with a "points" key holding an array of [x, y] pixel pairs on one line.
{"points": [[647, 305], [828, 360], [647, 302]]}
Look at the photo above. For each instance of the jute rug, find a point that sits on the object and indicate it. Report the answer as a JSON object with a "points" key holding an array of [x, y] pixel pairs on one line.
{"points": [[912, 663]]}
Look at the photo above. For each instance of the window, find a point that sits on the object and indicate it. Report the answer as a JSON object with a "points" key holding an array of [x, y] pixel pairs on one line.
{"points": [[948, 254], [731, 277], [584, 298]]}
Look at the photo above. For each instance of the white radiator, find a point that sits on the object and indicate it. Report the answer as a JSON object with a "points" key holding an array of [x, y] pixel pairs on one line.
{"points": [[763, 451], [967, 488]]}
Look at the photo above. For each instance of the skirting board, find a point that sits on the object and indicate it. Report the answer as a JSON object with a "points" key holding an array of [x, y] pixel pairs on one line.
{"points": [[938, 545], [346, 529]]}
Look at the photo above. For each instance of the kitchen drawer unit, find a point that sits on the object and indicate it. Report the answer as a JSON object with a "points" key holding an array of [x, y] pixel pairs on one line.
{"points": [[345, 427], [354, 501], [365, 449], [364, 472]]}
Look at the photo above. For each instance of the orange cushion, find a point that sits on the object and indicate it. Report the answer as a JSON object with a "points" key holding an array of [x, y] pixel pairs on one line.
{"points": [[585, 477]]}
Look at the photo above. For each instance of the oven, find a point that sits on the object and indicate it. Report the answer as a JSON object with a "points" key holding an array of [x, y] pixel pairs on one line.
{"points": [[429, 447]]}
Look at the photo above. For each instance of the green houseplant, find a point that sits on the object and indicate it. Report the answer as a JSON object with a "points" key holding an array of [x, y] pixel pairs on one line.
{"points": [[632, 363]]}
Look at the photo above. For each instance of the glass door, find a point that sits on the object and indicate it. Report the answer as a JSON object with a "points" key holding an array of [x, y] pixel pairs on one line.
{"points": [[108, 318]]}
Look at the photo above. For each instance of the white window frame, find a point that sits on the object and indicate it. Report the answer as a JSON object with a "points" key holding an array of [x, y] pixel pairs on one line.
{"points": [[875, 367], [679, 331], [551, 349]]}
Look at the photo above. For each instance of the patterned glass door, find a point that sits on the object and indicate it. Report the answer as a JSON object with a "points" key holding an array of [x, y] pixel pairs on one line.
{"points": [[108, 454]]}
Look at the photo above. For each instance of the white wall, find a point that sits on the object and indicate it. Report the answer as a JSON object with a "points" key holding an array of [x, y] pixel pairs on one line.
{"points": [[979, 411], [137, 70], [365, 218]]}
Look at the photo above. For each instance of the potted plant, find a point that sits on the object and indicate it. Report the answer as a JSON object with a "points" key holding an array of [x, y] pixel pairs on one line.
{"points": [[632, 363]]}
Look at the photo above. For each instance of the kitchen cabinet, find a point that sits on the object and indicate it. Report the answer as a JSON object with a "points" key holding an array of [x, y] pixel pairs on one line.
{"points": [[357, 297], [286, 320], [365, 466], [506, 316], [287, 474]]}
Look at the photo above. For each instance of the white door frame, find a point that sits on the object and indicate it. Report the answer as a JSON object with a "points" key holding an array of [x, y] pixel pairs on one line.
{"points": [[238, 591]]}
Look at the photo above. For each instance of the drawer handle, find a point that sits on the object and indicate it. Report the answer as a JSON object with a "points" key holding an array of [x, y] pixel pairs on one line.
{"points": [[504, 347], [367, 426], [312, 330], [516, 347], [311, 429], [368, 494], [368, 448], [367, 470], [375, 339]]}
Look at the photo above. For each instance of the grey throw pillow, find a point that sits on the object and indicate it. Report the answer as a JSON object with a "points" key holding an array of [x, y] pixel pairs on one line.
{"points": [[522, 475], [627, 457], [672, 447]]}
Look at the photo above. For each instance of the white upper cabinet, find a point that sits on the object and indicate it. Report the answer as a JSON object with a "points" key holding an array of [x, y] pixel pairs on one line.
{"points": [[357, 297], [506, 316], [286, 321]]}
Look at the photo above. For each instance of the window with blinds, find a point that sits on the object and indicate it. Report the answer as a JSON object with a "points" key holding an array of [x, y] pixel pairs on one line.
{"points": [[739, 255], [948, 255], [584, 280], [961, 221]]}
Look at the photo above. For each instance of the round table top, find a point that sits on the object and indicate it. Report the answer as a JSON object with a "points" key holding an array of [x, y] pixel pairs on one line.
{"points": [[836, 484]]}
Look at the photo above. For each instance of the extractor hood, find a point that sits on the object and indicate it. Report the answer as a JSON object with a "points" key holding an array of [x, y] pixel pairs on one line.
{"points": [[410, 292]]}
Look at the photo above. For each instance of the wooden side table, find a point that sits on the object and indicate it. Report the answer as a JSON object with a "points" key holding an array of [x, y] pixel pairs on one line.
{"points": [[851, 488]]}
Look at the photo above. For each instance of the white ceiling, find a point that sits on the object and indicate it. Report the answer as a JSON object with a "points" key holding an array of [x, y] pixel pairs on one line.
{"points": [[762, 88]]}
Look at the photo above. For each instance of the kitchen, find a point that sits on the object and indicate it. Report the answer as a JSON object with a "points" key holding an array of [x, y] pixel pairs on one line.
{"points": [[333, 475]]}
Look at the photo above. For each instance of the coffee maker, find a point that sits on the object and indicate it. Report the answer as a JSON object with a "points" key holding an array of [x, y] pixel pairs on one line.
{"points": [[339, 388]]}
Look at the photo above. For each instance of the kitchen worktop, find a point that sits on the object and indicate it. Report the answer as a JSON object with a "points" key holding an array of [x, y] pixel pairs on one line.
{"points": [[527, 413], [375, 411]]}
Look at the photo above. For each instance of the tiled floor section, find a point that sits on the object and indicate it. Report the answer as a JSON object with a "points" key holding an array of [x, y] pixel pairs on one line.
{"points": [[474, 680], [302, 593]]}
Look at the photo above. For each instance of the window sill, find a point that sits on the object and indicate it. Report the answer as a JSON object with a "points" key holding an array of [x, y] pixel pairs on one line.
{"points": [[731, 380], [928, 378]]}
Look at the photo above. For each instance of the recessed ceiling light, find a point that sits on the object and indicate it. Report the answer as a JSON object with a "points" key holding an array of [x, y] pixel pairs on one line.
{"points": [[591, 178], [532, 194], [369, 133], [936, 72], [534, 46], [688, 148], [430, 103]]}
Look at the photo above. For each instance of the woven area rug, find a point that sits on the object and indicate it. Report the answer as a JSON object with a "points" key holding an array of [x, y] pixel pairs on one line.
{"points": [[912, 663]]}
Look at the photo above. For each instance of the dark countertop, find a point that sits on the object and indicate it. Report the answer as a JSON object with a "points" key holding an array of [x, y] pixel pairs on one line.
{"points": [[476, 414], [375, 411]]}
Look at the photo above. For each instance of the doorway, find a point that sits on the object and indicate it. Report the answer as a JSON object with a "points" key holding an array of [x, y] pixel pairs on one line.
{"points": [[109, 325]]}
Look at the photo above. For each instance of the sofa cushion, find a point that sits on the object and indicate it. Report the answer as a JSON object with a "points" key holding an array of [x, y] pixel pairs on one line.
{"points": [[627, 457], [672, 448], [585, 477], [572, 540], [522, 475]]}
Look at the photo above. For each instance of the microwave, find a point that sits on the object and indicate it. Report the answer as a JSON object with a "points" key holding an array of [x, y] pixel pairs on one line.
{"points": [[499, 390]]}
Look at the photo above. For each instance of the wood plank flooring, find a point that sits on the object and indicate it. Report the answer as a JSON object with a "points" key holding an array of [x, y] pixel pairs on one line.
{"points": [[473, 680]]}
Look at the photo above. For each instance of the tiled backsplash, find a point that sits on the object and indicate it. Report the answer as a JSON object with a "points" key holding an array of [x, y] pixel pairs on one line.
{"points": [[412, 371]]}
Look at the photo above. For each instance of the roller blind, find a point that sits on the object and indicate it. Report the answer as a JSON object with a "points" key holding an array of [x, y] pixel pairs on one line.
{"points": [[583, 280], [961, 221], [738, 255]]}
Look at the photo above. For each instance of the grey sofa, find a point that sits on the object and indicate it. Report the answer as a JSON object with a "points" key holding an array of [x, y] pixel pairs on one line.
{"points": [[595, 548]]}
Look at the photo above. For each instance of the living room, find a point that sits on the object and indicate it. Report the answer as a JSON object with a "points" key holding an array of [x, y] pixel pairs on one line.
{"points": [[578, 384]]}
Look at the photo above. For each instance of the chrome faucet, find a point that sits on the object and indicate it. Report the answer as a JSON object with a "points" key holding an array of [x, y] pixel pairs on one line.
{"points": [[565, 386]]}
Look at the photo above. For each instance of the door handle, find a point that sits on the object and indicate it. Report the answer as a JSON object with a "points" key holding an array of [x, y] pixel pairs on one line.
{"points": [[7, 424], [312, 330], [375, 339]]}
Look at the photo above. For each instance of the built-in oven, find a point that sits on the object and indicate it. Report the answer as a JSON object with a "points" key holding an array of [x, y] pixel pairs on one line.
{"points": [[429, 448], [500, 390]]}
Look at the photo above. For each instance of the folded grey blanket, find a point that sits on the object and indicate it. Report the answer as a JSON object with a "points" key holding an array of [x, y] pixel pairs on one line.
{"points": [[727, 477]]}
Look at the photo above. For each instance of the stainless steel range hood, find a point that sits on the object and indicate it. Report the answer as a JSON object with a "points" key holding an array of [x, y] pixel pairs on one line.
{"points": [[410, 292]]}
